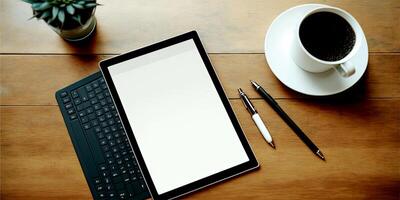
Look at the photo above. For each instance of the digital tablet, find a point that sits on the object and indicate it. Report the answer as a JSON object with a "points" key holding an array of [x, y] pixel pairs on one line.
{"points": [[179, 122]]}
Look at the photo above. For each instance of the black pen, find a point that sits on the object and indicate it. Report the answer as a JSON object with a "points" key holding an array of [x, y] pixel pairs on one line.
{"points": [[289, 121]]}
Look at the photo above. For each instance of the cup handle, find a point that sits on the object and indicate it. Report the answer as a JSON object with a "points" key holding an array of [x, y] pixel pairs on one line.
{"points": [[346, 69]]}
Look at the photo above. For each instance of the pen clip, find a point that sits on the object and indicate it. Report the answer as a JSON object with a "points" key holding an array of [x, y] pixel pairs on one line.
{"points": [[242, 98]]}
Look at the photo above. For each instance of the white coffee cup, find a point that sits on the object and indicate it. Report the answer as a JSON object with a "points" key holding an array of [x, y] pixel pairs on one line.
{"points": [[310, 63]]}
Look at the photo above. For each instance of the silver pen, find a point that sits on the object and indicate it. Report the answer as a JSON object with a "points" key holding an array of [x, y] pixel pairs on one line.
{"points": [[256, 118]]}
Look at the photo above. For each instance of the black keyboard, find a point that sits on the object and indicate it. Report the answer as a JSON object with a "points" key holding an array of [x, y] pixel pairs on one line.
{"points": [[99, 140]]}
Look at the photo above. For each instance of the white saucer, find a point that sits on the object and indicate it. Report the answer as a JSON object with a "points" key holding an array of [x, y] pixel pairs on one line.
{"points": [[277, 44]]}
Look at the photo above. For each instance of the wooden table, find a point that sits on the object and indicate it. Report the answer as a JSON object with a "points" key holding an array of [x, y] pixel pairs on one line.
{"points": [[358, 130]]}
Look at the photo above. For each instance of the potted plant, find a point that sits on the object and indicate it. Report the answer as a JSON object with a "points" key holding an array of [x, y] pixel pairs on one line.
{"points": [[73, 20]]}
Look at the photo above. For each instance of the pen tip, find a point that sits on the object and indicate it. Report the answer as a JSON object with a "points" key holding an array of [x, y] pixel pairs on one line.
{"points": [[272, 144], [254, 83], [320, 155]]}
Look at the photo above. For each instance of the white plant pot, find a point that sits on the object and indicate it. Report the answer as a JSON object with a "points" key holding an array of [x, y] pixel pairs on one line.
{"points": [[78, 33]]}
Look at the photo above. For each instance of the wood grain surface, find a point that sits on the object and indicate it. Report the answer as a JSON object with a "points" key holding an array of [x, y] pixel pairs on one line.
{"points": [[52, 72], [357, 130]]}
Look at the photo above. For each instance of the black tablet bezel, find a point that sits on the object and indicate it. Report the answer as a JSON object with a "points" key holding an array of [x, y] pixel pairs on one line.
{"points": [[251, 164]]}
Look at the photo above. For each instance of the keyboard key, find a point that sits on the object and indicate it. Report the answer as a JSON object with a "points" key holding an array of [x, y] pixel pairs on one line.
{"points": [[82, 113], [73, 116], [102, 194], [100, 96], [103, 142], [80, 107], [122, 195], [70, 111], [63, 94], [77, 101], [92, 116], [93, 101], [104, 173], [91, 95], [125, 178], [100, 135], [107, 180], [97, 181], [111, 194], [107, 131], [129, 166], [97, 90], [113, 168], [66, 100], [109, 100], [117, 155], [95, 84], [110, 161], [108, 154], [97, 129], [97, 106], [89, 110], [109, 187], [108, 115], [106, 148], [74, 94], [106, 108], [142, 185], [114, 173], [89, 88], [102, 167], [68, 105], [95, 122], [102, 118], [84, 119], [86, 126], [99, 112]]}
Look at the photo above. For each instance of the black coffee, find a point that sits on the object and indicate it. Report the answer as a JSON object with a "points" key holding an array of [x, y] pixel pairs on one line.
{"points": [[327, 36]]}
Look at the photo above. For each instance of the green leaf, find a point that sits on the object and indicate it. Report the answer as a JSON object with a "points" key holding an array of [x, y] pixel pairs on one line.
{"points": [[35, 6], [45, 5], [70, 9], [91, 5], [45, 14], [54, 14], [77, 19], [81, 2], [61, 17], [78, 6]]}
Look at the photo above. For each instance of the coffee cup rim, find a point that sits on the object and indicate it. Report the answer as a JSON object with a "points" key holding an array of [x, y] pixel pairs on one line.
{"points": [[345, 15]]}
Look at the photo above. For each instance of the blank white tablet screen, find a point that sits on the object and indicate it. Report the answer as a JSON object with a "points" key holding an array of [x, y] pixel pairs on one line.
{"points": [[181, 126]]}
